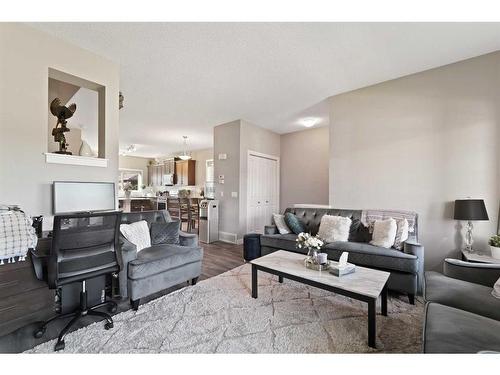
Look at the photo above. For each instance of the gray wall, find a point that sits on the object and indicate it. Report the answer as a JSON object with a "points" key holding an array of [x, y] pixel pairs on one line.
{"points": [[235, 139], [227, 141], [418, 143], [27, 54], [304, 167]]}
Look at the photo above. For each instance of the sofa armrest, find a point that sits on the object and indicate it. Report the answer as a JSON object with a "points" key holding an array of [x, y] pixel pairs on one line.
{"points": [[188, 239], [416, 249], [271, 229], [126, 253], [479, 273], [462, 295]]}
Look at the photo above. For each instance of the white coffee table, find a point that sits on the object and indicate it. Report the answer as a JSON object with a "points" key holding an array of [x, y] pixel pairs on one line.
{"points": [[364, 285]]}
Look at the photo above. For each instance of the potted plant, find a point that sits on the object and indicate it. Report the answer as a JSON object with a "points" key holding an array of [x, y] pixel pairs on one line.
{"points": [[495, 246], [127, 188]]}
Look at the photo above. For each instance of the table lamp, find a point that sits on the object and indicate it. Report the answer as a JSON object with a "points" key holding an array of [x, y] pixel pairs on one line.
{"points": [[470, 210]]}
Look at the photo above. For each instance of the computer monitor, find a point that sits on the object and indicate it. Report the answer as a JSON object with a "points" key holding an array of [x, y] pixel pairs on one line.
{"points": [[73, 197]]}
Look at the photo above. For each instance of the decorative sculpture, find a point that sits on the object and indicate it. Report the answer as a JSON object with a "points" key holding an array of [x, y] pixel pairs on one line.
{"points": [[62, 113]]}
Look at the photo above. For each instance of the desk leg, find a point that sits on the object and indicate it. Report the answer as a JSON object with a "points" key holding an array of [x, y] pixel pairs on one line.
{"points": [[254, 281], [384, 300], [280, 279], [372, 319]]}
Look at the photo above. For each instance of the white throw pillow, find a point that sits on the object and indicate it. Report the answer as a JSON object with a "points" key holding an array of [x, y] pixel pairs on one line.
{"points": [[280, 222], [401, 233], [137, 233], [384, 233], [334, 228], [496, 289]]}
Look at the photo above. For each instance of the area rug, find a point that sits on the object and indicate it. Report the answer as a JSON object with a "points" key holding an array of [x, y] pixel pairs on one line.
{"points": [[218, 315]]}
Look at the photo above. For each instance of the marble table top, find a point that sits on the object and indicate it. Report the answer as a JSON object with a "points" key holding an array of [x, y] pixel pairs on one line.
{"points": [[479, 257], [364, 281]]}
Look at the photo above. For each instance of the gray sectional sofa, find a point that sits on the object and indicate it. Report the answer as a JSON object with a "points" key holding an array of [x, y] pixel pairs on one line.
{"points": [[406, 267], [461, 315], [157, 267]]}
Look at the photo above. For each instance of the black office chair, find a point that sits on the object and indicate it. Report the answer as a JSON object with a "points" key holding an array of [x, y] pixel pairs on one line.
{"points": [[83, 249]]}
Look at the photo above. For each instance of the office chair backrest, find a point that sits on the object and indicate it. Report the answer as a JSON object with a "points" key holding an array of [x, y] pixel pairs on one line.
{"points": [[83, 246]]}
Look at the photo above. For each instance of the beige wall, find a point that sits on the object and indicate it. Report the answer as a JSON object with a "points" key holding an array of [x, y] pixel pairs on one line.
{"points": [[304, 167], [27, 54], [227, 141], [418, 143], [201, 157], [135, 162], [235, 139]]}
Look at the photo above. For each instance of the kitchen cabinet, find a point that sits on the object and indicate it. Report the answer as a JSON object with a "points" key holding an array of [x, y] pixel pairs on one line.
{"points": [[157, 172], [185, 172]]}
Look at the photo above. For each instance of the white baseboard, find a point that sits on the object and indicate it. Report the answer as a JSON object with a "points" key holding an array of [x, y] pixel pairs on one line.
{"points": [[230, 238]]}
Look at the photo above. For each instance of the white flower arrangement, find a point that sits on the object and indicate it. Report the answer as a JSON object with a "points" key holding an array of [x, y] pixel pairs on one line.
{"points": [[308, 241]]}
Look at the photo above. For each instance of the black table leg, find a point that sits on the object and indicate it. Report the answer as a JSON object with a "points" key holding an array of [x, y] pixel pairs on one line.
{"points": [[372, 319], [280, 279], [254, 281], [384, 300]]}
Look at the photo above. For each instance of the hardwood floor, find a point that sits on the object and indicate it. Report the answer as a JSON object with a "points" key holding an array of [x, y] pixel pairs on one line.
{"points": [[218, 258]]}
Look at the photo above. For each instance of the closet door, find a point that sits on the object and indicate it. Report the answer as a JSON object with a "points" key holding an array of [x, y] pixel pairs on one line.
{"points": [[262, 192]]}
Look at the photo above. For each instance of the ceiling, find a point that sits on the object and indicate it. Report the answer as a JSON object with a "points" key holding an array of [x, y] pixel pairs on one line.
{"points": [[185, 78]]}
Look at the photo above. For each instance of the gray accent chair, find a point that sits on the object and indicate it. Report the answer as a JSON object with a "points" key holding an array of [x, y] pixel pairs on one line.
{"points": [[406, 267], [158, 267], [461, 315]]}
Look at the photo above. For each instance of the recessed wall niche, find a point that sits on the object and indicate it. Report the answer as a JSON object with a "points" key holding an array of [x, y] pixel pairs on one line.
{"points": [[86, 136]]}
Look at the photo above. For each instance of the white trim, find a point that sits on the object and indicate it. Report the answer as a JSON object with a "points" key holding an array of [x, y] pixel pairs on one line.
{"points": [[278, 188], [75, 160], [228, 237]]}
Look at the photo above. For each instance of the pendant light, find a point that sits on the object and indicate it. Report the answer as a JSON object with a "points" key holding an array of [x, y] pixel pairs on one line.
{"points": [[185, 155]]}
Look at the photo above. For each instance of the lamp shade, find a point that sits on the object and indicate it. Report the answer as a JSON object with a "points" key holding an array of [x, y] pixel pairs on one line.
{"points": [[470, 209]]}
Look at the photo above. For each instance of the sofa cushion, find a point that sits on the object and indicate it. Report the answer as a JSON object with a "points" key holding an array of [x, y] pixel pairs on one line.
{"points": [[160, 258], [165, 233], [450, 330], [384, 233], [280, 241], [358, 232], [462, 295], [137, 233], [311, 217], [294, 223], [367, 255], [334, 228]]}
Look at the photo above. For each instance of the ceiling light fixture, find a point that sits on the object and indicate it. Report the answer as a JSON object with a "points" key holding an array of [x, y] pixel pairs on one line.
{"points": [[185, 154], [309, 122]]}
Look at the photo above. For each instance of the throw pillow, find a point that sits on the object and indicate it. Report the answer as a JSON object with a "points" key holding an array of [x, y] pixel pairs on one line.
{"points": [[401, 233], [137, 233], [496, 289], [334, 228], [384, 233], [167, 233], [294, 223], [279, 221], [358, 232]]}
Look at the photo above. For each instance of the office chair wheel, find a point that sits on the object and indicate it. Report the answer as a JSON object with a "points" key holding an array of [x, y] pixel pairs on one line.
{"points": [[108, 325], [59, 346], [39, 332]]}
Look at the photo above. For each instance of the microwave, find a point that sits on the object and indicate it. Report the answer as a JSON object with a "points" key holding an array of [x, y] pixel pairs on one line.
{"points": [[168, 179]]}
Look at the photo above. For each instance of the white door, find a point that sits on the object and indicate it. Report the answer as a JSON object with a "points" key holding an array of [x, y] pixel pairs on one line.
{"points": [[262, 191]]}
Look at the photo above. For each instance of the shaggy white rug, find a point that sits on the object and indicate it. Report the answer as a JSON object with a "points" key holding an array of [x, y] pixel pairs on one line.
{"points": [[219, 315]]}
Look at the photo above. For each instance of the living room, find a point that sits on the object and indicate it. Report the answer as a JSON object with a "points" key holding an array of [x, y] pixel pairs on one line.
{"points": [[331, 204]]}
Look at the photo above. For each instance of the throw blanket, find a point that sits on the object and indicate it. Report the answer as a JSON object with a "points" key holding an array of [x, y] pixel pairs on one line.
{"points": [[368, 217], [16, 236]]}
